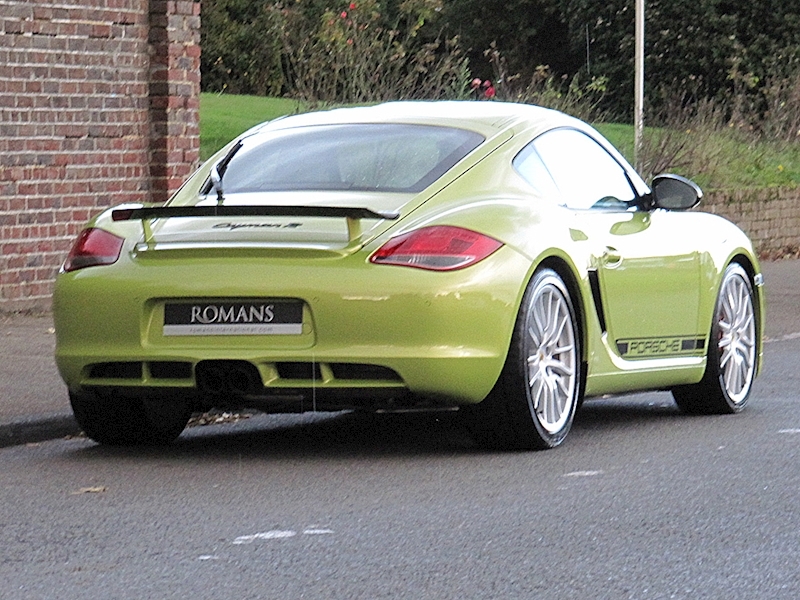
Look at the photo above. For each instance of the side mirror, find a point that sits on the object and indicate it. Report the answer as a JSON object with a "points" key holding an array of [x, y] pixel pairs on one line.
{"points": [[673, 192]]}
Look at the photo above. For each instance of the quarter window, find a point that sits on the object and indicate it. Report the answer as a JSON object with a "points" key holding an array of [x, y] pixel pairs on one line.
{"points": [[530, 166]]}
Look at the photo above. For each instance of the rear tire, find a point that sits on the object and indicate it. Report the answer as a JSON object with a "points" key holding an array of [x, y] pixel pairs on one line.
{"points": [[732, 351], [534, 401], [117, 421]]}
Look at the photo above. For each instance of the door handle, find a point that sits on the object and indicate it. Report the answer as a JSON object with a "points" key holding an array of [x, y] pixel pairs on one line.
{"points": [[611, 258]]}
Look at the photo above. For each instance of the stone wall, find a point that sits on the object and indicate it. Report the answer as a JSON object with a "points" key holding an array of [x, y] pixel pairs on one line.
{"points": [[771, 216], [98, 105]]}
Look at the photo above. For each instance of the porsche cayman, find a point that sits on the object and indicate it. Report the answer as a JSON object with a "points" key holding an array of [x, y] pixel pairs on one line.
{"points": [[500, 258]]}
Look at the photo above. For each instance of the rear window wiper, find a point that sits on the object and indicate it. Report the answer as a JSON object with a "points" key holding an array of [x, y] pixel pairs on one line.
{"points": [[218, 171]]}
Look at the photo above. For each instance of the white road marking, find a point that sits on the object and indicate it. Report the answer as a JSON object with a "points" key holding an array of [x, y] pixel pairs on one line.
{"points": [[317, 531], [279, 534], [789, 431], [783, 338], [583, 474], [265, 535]]}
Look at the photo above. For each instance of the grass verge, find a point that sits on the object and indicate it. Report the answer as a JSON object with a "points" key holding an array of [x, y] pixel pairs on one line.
{"points": [[224, 116], [718, 159]]}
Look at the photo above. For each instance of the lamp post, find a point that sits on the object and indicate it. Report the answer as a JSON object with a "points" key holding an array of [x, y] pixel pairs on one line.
{"points": [[638, 105]]}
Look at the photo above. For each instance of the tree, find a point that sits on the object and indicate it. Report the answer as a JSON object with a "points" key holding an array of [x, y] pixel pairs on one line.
{"points": [[528, 33], [712, 48], [241, 48]]}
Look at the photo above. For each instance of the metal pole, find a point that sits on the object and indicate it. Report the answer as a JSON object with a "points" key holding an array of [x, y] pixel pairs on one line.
{"points": [[588, 64], [638, 108]]}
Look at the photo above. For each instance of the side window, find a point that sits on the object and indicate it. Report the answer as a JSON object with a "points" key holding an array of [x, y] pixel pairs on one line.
{"points": [[585, 173], [530, 166]]}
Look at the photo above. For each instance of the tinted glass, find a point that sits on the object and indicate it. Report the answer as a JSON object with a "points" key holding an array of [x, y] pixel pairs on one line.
{"points": [[381, 157], [530, 166], [586, 175]]}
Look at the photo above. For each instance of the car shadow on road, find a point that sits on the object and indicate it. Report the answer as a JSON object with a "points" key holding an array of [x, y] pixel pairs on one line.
{"points": [[613, 411], [343, 434], [349, 434]]}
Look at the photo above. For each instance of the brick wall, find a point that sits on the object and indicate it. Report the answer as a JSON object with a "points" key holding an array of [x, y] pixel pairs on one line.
{"points": [[174, 93], [98, 105]]}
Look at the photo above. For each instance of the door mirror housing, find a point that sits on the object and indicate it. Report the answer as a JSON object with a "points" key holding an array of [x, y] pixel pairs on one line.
{"points": [[673, 192]]}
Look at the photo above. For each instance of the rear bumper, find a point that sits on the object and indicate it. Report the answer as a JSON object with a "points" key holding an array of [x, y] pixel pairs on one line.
{"points": [[387, 331]]}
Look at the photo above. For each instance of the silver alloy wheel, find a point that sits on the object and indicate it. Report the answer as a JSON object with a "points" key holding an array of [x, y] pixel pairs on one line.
{"points": [[733, 351], [737, 338], [551, 356], [533, 402]]}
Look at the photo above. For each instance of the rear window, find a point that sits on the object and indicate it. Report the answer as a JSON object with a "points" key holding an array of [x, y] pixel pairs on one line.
{"points": [[365, 157]]}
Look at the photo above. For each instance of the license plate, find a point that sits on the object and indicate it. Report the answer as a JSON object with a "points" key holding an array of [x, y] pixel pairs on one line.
{"points": [[259, 317]]}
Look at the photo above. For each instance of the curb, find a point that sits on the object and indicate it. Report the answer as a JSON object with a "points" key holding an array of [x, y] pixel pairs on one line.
{"points": [[29, 430]]}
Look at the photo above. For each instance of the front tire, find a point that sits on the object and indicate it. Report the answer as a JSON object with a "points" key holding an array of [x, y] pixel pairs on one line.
{"points": [[732, 351], [533, 403], [116, 421]]}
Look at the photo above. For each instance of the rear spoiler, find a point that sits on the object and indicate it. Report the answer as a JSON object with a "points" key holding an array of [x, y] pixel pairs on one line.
{"points": [[352, 214]]}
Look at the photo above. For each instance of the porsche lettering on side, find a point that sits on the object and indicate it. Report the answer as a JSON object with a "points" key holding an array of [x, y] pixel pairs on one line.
{"points": [[499, 259]]}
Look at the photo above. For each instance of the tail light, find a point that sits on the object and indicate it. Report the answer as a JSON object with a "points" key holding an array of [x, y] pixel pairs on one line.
{"points": [[438, 248], [92, 248]]}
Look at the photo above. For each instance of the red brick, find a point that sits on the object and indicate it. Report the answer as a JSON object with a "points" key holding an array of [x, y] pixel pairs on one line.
{"points": [[76, 131]]}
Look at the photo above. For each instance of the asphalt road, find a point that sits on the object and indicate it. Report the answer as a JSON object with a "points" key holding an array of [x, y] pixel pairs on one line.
{"points": [[640, 502]]}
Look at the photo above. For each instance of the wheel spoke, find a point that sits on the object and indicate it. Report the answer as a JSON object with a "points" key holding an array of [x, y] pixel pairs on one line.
{"points": [[562, 384], [725, 354], [545, 401], [552, 310], [731, 377], [537, 387], [540, 318], [557, 405], [559, 350], [559, 330], [746, 325], [560, 368], [535, 336]]}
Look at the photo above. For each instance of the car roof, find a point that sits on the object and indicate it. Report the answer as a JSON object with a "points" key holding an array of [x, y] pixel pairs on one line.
{"points": [[487, 118]]}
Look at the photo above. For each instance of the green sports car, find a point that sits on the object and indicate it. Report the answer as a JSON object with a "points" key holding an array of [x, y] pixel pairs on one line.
{"points": [[500, 258]]}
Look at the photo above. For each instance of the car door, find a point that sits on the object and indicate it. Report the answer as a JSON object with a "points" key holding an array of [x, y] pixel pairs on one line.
{"points": [[643, 270]]}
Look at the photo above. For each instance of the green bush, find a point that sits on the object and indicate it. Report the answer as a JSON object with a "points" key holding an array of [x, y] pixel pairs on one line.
{"points": [[354, 54], [569, 95]]}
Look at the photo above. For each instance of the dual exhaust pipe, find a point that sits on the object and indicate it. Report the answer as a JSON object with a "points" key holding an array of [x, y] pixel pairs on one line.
{"points": [[228, 378]]}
